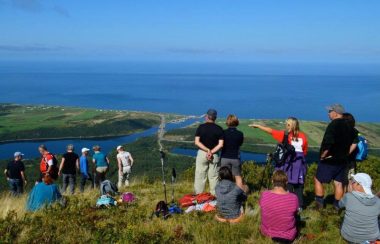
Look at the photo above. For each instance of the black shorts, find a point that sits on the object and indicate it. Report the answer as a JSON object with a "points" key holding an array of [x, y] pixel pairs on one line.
{"points": [[233, 164], [328, 172]]}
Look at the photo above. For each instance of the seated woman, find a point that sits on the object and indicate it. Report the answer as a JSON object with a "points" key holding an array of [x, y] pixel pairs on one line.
{"points": [[278, 210], [360, 224], [43, 194], [230, 197]]}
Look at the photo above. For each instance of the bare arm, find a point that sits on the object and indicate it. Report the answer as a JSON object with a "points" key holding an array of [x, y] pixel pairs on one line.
{"points": [[77, 163], [200, 145], [60, 166], [119, 163], [218, 147], [23, 177], [108, 161], [5, 173], [324, 154], [130, 158], [353, 147], [261, 127]]}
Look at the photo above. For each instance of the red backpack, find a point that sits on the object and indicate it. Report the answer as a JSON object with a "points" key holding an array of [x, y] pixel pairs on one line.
{"points": [[190, 199]]}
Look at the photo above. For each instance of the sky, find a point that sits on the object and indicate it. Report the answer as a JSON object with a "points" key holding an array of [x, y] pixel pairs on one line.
{"points": [[198, 30]]}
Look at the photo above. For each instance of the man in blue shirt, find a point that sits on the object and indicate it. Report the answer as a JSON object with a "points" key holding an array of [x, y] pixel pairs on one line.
{"points": [[84, 170]]}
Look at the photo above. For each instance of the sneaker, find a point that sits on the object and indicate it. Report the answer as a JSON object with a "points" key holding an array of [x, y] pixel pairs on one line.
{"points": [[127, 183]]}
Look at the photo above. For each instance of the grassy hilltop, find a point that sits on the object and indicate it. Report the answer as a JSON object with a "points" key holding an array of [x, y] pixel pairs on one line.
{"points": [[81, 222]]}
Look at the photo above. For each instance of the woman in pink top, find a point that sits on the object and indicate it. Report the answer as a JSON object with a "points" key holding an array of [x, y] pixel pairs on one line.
{"points": [[278, 210]]}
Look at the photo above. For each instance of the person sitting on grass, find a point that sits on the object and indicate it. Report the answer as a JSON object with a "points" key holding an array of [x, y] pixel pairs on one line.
{"points": [[360, 222], [230, 197], [43, 194], [279, 210]]}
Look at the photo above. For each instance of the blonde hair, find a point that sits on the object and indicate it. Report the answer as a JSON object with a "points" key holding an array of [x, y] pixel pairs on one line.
{"points": [[96, 148], [232, 121], [294, 127]]}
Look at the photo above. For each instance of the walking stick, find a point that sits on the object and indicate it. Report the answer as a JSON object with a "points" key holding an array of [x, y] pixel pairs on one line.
{"points": [[174, 176], [163, 174]]}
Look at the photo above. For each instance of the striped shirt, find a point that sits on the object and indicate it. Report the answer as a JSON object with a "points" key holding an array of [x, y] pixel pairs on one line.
{"points": [[278, 213]]}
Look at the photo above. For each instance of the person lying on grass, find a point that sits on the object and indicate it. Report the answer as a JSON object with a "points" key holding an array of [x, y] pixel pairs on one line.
{"points": [[279, 210], [230, 197]]}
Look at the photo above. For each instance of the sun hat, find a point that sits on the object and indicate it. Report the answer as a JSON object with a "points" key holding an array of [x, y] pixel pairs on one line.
{"points": [[365, 181]]}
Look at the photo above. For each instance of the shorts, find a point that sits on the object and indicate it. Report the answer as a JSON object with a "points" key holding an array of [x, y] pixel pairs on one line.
{"points": [[101, 170], [233, 164], [328, 172]]}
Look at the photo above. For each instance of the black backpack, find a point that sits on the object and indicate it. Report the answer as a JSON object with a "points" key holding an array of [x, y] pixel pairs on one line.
{"points": [[284, 151], [162, 210], [54, 169]]}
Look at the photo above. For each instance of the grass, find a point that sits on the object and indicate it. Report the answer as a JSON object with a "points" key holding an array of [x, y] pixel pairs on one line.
{"points": [[81, 222], [40, 122]]}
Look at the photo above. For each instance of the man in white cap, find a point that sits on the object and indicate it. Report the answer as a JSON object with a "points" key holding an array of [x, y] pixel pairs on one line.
{"points": [[360, 222], [15, 174], [334, 155], [84, 170], [125, 163]]}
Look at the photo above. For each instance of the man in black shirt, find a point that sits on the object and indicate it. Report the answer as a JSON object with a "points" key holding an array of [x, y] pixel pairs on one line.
{"points": [[68, 167], [15, 174], [334, 155], [209, 140]]}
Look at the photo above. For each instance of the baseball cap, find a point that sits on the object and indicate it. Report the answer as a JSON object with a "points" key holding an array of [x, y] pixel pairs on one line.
{"points": [[212, 112], [18, 154], [365, 181], [119, 147], [338, 108], [85, 149]]}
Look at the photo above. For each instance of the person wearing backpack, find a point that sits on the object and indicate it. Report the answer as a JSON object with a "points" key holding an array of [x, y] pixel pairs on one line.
{"points": [[125, 163], [351, 167], [101, 162], [48, 164], [230, 156], [334, 156], [295, 165], [68, 168]]}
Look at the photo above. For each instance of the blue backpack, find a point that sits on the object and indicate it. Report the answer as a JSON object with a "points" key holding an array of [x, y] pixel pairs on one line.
{"points": [[106, 201], [362, 148]]}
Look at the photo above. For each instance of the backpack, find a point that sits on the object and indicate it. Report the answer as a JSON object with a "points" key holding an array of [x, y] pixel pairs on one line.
{"points": [[108, 188], [162, 210], [54, 169], [106, 201], [362, 148], [283, 151], [127, 197]]}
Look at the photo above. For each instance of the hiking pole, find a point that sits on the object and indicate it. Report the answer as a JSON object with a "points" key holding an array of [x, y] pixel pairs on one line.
{"points": [[174, 176], [163, 174]]}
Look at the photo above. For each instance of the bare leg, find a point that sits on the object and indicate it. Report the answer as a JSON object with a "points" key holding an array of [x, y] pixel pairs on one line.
{"points": [[338, 186], [239, 181], [318, 187]]}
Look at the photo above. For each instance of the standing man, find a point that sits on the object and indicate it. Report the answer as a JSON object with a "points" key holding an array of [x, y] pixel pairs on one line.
{"points": [[84, 170], [209, 140], [15, 174], [68, 168], [48, 165], [125, 163], [334, 155]]}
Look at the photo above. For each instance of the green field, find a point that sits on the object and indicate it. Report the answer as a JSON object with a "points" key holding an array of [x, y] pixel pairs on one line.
{"points": [[41, 122]]}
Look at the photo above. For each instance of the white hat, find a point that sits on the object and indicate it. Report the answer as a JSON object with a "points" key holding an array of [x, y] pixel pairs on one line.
{"points": [[119, 147], [365, 181], [17, 154], [85, 149]]}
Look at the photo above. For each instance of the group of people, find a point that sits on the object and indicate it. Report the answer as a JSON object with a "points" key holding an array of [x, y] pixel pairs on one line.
{"points": [[70, 164], [218, 159]]}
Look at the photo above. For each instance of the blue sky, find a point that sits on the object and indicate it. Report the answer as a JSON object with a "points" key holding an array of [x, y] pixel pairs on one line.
{"points": [[222, 30]]}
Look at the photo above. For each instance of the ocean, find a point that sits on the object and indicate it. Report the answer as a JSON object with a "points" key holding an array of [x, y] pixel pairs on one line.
{"points": [[249, 91]]}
